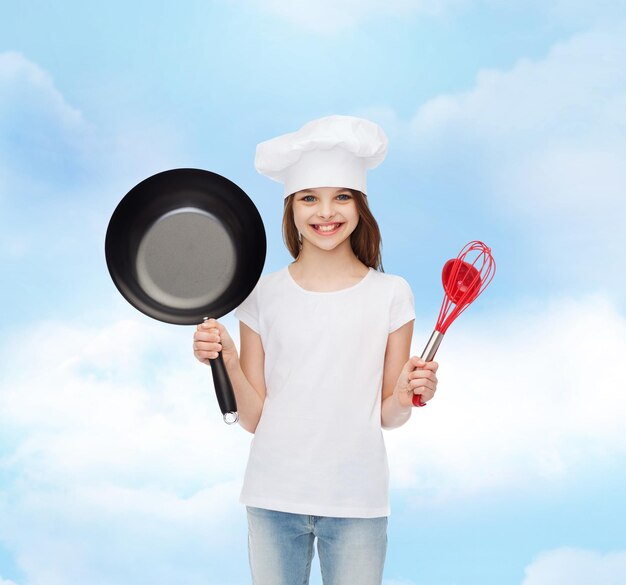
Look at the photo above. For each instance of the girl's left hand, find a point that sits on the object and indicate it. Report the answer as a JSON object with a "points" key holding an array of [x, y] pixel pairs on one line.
{"points": [[416, 377]]}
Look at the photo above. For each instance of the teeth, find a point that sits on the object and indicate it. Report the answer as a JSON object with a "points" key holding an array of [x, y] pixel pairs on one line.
{"points": [[327, 228]]}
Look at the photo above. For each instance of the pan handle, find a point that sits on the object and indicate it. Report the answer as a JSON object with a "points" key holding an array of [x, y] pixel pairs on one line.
{"points": [[224, 390]]}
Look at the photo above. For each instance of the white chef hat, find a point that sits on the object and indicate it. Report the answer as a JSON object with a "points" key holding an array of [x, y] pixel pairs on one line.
{"points": [[335, 151]]}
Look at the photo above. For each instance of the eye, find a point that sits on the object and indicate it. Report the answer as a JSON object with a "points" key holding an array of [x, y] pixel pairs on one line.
{"points": [[344, 197], [308, 198]]}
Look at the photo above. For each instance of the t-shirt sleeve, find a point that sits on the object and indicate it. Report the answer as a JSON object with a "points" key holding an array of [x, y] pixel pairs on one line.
{"points": [[402, 305], [248, 311]]}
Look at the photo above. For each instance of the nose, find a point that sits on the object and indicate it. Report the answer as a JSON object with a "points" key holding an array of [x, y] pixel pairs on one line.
{"points": [[326, 209]]}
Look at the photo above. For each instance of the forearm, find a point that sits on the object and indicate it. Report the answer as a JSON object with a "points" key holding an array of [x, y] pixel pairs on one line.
{"points": [[393, 414], [249, 403]]}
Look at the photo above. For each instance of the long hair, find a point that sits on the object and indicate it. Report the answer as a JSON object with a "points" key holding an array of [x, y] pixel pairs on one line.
{"points": [[365, 240]]}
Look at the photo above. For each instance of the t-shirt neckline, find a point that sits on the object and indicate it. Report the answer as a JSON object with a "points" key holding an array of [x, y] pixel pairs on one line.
{"points": [[327, 292]]}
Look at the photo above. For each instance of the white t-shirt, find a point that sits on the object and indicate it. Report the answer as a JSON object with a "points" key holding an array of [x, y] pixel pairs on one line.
{"points": [[318, 448]]}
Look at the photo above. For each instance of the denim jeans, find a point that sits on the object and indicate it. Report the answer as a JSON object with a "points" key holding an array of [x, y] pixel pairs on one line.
{"points": [[280, 547]]}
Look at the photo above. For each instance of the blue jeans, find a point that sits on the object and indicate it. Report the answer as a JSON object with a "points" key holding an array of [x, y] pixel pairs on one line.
{"points": [[280, 547]]}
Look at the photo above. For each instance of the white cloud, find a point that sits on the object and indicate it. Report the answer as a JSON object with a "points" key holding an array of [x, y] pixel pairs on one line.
{"points": [[577, 567], [44, 142], [39, 129], [114, 535], [115, 461], [116, 403], [551, 131], [6, 582], [532, 396], [57, 166], [543, 145], [24, 81]]}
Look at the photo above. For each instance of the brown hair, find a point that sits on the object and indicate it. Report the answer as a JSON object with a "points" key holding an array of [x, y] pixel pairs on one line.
{"points": [[365, 240]]}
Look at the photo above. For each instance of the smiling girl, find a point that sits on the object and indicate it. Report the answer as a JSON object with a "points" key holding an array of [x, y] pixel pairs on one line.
{"points": [[323, 365]]}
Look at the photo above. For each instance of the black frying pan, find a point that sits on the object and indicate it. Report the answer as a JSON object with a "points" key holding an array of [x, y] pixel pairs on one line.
{"points": [[186, 245]]}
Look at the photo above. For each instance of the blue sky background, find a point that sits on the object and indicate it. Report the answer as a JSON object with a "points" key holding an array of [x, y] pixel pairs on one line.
{"points": [[507, 123]]}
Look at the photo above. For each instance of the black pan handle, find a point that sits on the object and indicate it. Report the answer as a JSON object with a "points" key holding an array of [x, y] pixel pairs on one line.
{"points": [[224, 390]]}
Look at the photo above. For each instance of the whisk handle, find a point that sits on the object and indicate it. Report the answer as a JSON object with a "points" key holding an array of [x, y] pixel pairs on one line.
{"points": [[428, 355]]}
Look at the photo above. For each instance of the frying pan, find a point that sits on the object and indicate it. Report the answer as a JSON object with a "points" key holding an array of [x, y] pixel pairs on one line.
{"points": [[186, 245]]}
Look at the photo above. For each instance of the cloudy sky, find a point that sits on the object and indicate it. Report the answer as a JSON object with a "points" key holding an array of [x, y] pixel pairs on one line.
{"points": [[507, 123]]}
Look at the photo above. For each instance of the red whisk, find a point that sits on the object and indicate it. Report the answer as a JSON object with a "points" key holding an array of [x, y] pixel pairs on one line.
{"points": [[464, 278]]}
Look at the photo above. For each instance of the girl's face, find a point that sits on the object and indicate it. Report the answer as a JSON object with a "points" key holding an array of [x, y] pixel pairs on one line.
{"points": [[325, 216]]}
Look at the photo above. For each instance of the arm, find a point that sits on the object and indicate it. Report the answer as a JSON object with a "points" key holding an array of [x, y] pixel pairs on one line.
{"points": [[246, 373], [250, 376], [402, 378], [394, 414]]}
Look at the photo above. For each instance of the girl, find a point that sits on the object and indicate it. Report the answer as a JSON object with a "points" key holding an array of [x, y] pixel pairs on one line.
{"points": [[323, 365]]}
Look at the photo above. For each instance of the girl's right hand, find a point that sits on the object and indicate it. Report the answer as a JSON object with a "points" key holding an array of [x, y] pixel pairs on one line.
{"points": [[209, 339]]}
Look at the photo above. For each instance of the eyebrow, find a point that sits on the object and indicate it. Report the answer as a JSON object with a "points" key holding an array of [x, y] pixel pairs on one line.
{"points": [[313, 192]]}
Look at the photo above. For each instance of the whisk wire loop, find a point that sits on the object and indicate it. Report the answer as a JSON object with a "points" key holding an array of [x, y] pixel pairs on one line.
{"points": [[464, 279]]}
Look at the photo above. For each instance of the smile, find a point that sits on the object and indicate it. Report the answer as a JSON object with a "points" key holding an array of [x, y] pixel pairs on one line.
{"points": [[326, 229]]}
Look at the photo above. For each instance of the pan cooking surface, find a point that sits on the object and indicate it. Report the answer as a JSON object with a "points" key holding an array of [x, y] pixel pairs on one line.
{"points": [[186, 259]]}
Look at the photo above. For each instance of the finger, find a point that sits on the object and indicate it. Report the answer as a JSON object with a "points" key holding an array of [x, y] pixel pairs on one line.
{"points": [[200, 336], [206, 356], [426, 395], [207, 346], [432, 366], [422, 374], [418, 385], [417, 362], [424, 389], [209, 352], [218, 328], [413, 363]]}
